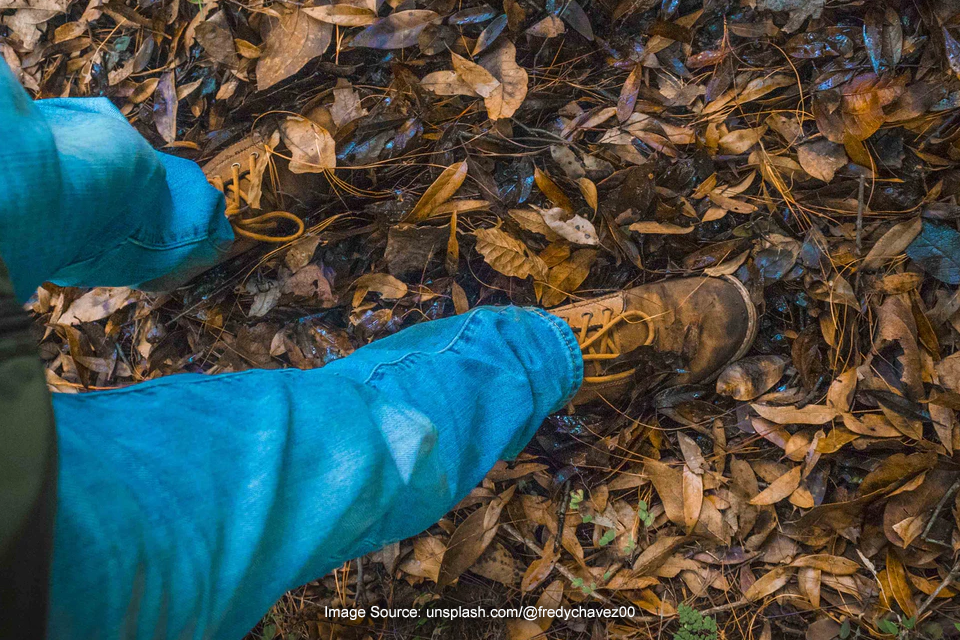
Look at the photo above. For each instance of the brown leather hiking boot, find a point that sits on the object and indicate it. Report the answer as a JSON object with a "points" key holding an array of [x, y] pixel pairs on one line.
{"points": [[259, 188], [704, 322]]}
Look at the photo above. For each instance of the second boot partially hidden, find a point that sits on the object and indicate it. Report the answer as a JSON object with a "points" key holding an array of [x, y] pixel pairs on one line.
{"points": [[703, 322]]}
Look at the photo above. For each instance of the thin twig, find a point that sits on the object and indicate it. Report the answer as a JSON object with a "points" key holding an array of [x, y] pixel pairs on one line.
{"points": [[954, 572], [936, 511], [860, 207]]}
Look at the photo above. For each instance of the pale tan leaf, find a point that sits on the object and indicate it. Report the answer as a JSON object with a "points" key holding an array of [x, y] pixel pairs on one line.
{"points": [[447, 83], [475, 76], [808, 580], [532, 220], [893, 243], [662, 228], [840, 393], [692, 498], [389, 287], [549, 27], [731, 204], [442, 189], [97, 304], [428, 553], [396, 31], [769, 583], [780, 488], [540, 569], [810, 414], [502, 65], [312, 149], [739, 141], [576, 228], [836, 565], [870, 424], [345, 15]]}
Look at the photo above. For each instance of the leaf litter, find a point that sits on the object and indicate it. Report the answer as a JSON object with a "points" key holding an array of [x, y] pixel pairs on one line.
{"points": [[539, 153]]}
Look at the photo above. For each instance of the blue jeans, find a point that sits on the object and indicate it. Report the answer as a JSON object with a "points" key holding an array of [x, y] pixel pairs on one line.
{"points": [[188, 505]]}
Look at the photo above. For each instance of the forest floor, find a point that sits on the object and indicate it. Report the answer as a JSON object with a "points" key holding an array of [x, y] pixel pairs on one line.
{"points": [[539, 151]]}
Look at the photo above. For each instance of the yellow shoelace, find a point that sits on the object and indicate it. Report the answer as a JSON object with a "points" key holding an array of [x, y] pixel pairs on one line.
{"points": [[600, 346], [253, 227]]}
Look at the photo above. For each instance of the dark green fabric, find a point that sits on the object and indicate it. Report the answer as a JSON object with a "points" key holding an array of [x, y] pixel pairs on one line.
{"points": [[28, 464]]}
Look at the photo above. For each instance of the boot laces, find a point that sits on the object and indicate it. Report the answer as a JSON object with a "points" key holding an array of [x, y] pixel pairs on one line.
{"points": [[253, 227], [598, 345]]}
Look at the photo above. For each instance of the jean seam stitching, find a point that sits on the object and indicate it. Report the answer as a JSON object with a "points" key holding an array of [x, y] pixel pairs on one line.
{"points": [[376, 371], [576, 375]]}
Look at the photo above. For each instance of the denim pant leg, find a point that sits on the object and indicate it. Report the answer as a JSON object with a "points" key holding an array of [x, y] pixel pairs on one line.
{"points": [[85, 200], [189, 504]]}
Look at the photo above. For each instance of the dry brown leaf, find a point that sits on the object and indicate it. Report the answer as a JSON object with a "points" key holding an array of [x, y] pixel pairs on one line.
{"points": [[836, 565], [628, 93], [692, 498], [564, 278], [289, 43], [447, 83], [740, 141], [663, 228], [589, 191], [810, 414], [389, 287], [656, 554], [750, 377], [821, 159], [428, 553], [549, 27], [897, 576], [97, 304], [396, 31], [522, 629], [442, 189], [541, 568], [502, 65], [312, 149], [475, 76], [769, 583], [893, 243], [469, 541], [532, 220], [497, 564], [345, 15], [550, 189], [508, 255], [780, 488], [576, 228]]}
